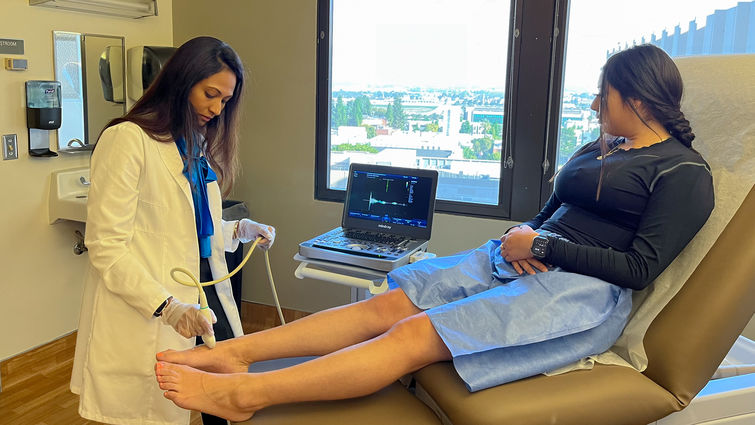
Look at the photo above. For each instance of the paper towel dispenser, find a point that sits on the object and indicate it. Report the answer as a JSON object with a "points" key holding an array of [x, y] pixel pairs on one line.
{"points": [[144, 63], [111, 73]]}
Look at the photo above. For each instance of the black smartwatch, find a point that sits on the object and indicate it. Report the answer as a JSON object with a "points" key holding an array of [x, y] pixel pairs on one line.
{"points": [[160, 309], [539, 247]]}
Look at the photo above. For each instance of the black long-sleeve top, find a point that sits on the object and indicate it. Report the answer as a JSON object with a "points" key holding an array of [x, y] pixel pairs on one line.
{"points": [[653, 200]]}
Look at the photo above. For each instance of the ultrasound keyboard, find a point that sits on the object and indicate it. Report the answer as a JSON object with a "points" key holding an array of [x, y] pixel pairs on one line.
{"points": [[364, 243], [362, 248]]}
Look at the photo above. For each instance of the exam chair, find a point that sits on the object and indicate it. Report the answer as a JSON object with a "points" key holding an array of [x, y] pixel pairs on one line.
{"points": [[689, 338], [685, 343]]}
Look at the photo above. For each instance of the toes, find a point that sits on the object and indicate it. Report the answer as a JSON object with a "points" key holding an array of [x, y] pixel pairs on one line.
{"points": [[167, 378], [167, 370], [176, 398], [170, 386], [164, 352], [170, 355]]}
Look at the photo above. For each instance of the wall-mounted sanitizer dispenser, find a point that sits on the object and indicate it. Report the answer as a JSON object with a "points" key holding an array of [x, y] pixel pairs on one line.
{"points": [[43, 99]]}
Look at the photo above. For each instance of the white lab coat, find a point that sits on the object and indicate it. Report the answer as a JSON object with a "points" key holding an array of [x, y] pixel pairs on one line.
{"points": [[140, 224]]}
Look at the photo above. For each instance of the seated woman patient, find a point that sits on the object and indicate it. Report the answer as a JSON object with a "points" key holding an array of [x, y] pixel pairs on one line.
{"points": [[551, 291]]}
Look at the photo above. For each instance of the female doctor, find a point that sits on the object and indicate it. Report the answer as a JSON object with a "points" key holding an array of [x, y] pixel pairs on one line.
{"points": [[155, 204]]}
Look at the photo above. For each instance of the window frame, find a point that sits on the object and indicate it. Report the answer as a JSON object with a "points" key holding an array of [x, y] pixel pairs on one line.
{"points": [[532, 92]]}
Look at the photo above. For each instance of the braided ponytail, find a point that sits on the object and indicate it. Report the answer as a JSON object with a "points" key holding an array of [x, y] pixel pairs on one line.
{"points": [[679, 127], [648, 74]]}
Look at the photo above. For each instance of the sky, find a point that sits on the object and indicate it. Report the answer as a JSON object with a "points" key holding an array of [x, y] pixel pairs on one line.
{"points": [[596, 26], [461, 43], [438, 43]]}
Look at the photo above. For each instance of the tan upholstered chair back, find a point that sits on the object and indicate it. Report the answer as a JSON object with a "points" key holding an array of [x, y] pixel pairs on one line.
{"points": [[693, 333], [690, 337]]}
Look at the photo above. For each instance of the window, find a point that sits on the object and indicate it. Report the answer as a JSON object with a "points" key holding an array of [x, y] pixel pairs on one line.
{"points": [[598, 28], [429, 84], [439, 83]]}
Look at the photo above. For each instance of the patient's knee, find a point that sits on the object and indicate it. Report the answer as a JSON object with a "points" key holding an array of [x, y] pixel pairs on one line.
{"points": [[394, 304], [420, 339], [411, 328]]}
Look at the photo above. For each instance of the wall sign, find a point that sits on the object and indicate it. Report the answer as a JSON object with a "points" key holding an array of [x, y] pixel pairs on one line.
{"points": [[11, 46]]}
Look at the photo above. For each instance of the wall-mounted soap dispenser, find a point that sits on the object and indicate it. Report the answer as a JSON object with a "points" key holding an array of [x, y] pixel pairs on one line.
{"points": [[43, 99]]}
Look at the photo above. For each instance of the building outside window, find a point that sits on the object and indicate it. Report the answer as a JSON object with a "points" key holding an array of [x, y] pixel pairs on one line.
{"points": [[443, 84], [420, 84], [599, 28]]}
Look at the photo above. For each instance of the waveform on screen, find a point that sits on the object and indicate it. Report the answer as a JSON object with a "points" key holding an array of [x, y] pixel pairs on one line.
{"points": [[373, 200]]}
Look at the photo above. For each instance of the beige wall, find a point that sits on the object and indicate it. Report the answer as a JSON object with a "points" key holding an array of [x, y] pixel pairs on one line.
{"points": [[41, 278], [276, 39]]}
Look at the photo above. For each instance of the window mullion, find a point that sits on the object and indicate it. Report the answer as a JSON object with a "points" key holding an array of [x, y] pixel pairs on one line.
{"points": [[530, 105]]}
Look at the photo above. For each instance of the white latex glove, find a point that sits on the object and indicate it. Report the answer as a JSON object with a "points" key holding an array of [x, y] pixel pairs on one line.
{"points": [[186, 319], [249, 230]]}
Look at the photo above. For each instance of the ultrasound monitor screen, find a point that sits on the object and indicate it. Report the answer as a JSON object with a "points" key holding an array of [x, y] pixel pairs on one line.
{"points": [[390, 198]]}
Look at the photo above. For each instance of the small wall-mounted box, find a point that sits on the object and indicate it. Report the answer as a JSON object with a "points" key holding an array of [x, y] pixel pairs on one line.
{"points": [[12, 64], [10, 147]]}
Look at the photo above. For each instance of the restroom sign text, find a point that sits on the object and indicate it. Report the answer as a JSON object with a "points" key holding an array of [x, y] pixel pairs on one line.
{"points": [[11, 46]]}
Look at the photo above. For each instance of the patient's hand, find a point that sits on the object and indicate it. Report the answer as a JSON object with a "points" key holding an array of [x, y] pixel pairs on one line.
{"points": [[516, 244], [529, 265]]}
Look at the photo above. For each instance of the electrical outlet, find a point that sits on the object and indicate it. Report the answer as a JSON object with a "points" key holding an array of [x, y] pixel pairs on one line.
{"points": [[10, 146]]}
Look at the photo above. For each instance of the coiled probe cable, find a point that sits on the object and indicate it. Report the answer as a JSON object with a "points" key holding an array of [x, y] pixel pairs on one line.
{"points": [[204, 308]]}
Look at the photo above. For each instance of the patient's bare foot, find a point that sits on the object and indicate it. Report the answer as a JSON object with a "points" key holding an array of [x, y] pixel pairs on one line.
{"points": [[216, 394], [221, 359]]}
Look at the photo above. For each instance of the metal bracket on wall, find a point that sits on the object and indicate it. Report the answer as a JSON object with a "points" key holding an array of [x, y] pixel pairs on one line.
{"points": [[78, 245]]}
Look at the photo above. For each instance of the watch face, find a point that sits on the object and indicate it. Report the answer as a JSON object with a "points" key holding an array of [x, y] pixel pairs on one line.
{"points": [[539, 245]]}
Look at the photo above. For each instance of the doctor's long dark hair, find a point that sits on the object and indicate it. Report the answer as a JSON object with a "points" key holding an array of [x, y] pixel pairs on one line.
{"points": [[165, 113]]}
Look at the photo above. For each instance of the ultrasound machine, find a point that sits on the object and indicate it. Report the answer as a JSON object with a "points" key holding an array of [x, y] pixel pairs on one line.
{"points": [[387, 217]]}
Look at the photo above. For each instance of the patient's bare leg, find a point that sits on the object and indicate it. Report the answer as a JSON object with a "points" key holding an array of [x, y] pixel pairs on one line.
{"points": [[314, 335], [350, 372]]}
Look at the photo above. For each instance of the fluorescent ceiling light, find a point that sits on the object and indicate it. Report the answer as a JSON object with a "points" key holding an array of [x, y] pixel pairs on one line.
{"points": [[123, 8]]}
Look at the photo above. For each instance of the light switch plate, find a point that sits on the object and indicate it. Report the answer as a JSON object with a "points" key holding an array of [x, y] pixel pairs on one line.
{"points": [[10, 146], [12, 64]]}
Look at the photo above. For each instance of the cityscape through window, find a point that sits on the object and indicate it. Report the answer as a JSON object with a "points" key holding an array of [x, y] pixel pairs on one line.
{"points": [[599, 28], [420, 84]]}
